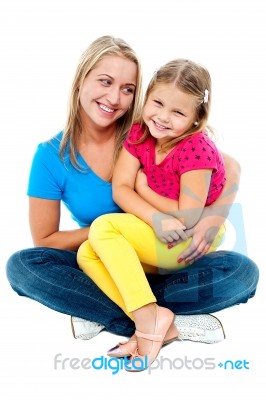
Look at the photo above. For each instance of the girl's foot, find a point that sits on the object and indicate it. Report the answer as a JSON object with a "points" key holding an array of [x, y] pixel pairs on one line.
{"points": [[126, 349], [149, 344]]}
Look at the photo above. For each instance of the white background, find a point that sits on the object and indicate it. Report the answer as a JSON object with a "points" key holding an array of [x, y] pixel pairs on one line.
{"points": [[40, 43]]}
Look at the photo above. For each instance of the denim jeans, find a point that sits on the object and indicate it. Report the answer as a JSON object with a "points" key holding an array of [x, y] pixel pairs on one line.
{"points": [[52, 277]]}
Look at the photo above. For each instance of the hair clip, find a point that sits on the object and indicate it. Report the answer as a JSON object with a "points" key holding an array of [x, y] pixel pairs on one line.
{"points": [[206, 96]]}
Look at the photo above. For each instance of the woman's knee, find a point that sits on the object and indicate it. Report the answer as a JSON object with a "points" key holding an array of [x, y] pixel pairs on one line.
{"points": [[12, 265], [244, 272], [22, 261], [14, 271], [252, 272]]}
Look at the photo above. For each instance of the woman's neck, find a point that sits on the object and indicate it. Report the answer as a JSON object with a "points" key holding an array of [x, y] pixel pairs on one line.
{"points": [[92, 133], [98, 152]]}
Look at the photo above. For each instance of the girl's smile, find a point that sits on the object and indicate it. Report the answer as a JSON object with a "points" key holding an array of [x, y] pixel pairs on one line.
{"points": [[169, 112]]}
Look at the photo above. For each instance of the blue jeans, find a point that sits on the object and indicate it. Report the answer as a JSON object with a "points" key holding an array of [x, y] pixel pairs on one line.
{"points": [[52, 277]]}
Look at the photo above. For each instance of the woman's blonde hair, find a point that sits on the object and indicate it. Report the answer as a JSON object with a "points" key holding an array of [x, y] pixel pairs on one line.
{"points": [[190, 78], [99, 49]]}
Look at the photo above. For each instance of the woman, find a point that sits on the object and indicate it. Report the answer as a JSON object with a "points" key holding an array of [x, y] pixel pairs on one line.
{"points": [[76, 167]]}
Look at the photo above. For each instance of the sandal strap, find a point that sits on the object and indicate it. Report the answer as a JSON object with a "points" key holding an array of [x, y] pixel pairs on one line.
{"points": [[149, 336], [127, 341]]}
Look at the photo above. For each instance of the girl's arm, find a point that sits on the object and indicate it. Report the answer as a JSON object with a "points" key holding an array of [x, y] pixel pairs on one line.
{"points": [[162, 203], [44, 216], [123, 183], [166, 227], [194, 187]]}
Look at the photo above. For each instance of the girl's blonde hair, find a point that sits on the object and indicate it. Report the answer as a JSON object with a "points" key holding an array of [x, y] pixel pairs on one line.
{"points": [[98, 50], [190, 78]]}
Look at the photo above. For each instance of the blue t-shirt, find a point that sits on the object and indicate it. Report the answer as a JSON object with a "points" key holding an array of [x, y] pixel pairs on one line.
{"points": [[86, 195]]}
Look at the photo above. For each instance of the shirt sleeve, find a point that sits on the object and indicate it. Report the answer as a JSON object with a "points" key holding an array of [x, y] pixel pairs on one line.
{"points": [[198, 152], [44, 174]]}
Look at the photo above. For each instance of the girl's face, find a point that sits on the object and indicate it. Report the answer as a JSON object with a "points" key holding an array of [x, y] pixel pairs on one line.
{"points": [[169, 112], [108, 91]]}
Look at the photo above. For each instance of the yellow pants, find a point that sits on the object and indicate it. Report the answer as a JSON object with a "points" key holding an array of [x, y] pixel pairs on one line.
{"points": [[121, 249]]}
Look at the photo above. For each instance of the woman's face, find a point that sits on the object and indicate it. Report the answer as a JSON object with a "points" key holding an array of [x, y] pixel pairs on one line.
{"points": [[108, 91]]}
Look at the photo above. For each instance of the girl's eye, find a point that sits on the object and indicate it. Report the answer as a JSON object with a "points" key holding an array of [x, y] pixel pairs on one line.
{"points": [[179, 113], [157, 102]]}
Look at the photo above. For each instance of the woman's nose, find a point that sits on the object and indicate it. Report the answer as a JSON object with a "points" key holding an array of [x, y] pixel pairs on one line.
{"points": [[113, 96]]}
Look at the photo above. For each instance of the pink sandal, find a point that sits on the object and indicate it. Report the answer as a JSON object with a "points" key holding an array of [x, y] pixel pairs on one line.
{"points": [[126, 349], [164, 320], [123, 349]]}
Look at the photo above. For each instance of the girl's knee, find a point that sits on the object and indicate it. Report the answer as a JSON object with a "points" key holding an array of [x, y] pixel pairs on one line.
{"points": [[102, 227], [83, 253]]}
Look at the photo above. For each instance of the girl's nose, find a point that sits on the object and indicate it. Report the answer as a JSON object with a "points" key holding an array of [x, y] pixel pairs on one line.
{"points": [[164, 116]]}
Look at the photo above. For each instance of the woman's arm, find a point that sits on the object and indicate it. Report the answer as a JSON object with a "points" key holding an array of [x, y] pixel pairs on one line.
{"points": [[44, 216], [214, 215]]}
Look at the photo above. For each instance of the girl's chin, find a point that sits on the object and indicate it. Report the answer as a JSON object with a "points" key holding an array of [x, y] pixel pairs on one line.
{"points": [[158, 134]]}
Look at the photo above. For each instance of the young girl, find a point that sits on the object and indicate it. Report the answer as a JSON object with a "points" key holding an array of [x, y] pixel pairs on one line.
{"points": [[168, 170]]}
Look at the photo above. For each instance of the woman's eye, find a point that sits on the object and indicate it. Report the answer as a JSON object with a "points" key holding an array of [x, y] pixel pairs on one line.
{"points": [[106, 82], [129, 90]]}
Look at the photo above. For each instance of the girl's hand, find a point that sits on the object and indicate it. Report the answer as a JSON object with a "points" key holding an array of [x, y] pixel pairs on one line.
{"points": [[168, 228], [141, 180], [203, 235]]}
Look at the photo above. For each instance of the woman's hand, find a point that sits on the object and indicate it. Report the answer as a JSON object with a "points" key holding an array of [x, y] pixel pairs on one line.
{"points": [[203, 235]]}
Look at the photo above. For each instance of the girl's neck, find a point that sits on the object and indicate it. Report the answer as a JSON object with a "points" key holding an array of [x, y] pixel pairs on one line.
{"points": [[159, 144], [160, 153]]}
